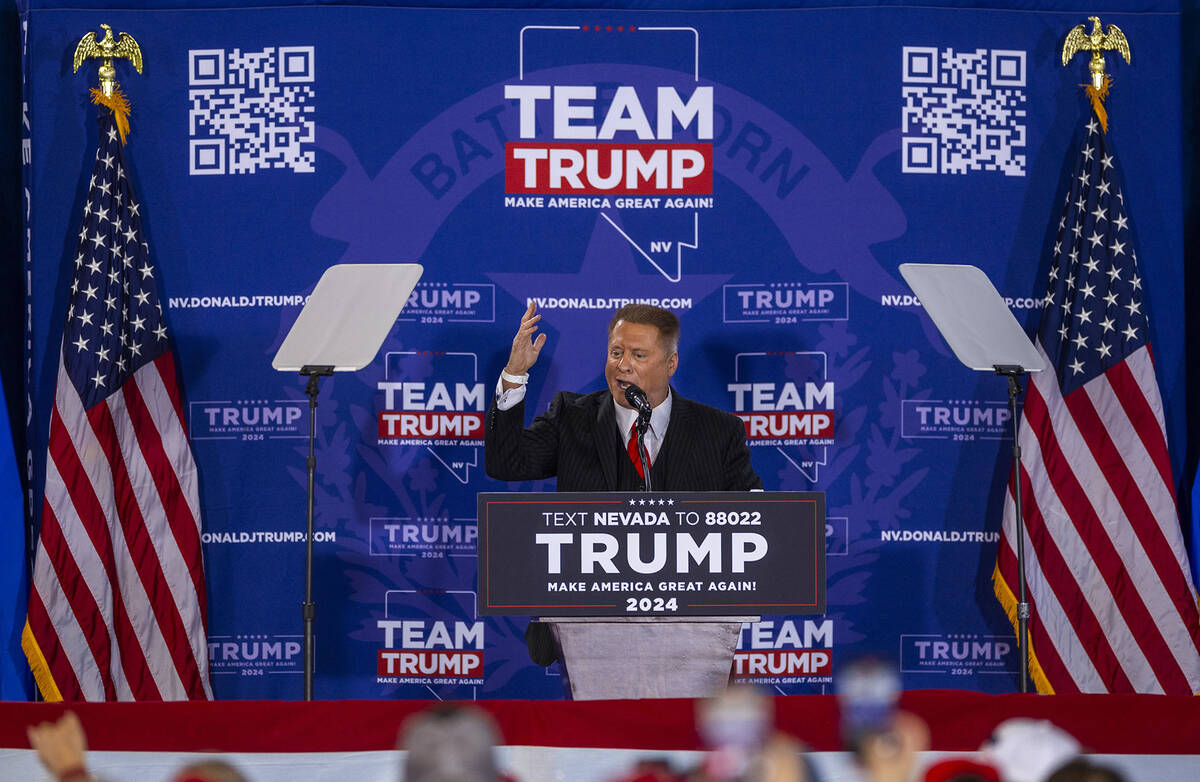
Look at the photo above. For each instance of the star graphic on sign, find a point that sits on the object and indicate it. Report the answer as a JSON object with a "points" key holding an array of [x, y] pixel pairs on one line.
{"points": [[610, 269], [633, 502]]}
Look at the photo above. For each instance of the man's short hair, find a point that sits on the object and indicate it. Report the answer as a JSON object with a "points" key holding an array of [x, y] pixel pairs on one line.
{"points": [[663, 320]]}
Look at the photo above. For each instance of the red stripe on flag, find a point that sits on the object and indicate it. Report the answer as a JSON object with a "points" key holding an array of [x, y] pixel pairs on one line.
{"points": [[165, 364], [141, 548], [1041, 643], [52, 650], [184, 527], [1141, 417], [1110, 458], [79, 597], [1053, 565], [91, 515]]}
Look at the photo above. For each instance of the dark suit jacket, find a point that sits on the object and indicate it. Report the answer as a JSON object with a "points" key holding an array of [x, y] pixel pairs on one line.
{"points": [[577, 440]]}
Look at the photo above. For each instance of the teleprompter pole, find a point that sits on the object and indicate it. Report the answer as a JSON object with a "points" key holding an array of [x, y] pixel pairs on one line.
{"points": [[308, 609], [1014, 373]]}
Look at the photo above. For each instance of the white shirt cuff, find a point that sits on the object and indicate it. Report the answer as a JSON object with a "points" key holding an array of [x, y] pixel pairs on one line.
{"points": [[507, 400]]}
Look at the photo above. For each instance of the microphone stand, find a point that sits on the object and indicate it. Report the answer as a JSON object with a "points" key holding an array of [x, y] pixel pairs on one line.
{"points": [[643, 423]]}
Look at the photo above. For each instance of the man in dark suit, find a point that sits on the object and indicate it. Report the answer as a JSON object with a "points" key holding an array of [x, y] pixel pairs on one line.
{"points": [[587, 440]]}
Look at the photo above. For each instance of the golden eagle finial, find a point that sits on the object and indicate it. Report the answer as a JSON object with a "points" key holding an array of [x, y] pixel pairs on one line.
{"points": [[106, 50], [1095, 42]]}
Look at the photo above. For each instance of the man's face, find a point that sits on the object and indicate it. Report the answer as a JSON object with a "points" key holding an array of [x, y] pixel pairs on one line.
{"points": [[637, 356]]}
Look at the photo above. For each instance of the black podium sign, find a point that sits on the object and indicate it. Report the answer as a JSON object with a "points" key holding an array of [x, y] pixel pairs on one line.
{"points": [[651, 554]]}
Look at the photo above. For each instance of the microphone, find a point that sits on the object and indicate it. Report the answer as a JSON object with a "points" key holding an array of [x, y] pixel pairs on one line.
{"points": [[636, 397]]}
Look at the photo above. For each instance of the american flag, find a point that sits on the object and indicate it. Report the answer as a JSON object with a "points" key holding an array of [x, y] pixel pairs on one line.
{"points": [[117, 606], [1113, 607]]}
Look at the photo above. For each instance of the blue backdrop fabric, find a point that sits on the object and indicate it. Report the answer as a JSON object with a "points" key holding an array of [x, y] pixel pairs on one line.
{"points": [[827, 146], [15, 680]]}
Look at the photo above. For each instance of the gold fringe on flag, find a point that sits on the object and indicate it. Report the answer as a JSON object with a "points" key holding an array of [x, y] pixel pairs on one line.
{"points": [[1008, 601], [1097, 96], [39, 667], [119, 105]]}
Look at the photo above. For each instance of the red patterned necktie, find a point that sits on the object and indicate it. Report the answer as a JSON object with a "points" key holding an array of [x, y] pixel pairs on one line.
{"points": [[632, 448]]}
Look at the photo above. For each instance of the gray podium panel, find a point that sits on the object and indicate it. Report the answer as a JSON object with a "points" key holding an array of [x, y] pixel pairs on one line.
{"points": [[646, 657]]}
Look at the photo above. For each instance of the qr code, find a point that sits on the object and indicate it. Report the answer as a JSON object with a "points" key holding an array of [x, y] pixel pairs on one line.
{"points": [[963, 111], [250, 110]]}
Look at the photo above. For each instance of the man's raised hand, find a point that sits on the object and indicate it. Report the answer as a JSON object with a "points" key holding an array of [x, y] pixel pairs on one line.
{"points": [[525, 348]]}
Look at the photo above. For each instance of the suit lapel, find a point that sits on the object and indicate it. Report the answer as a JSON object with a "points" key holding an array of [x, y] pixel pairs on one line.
{"points": [[675, 442], [602, 435]]}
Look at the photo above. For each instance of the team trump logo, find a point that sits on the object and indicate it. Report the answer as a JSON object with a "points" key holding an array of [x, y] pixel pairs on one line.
{"points": [[592, 151], [434, 400], [785, 652], [430, 638], [417, 650], [786, 402]]}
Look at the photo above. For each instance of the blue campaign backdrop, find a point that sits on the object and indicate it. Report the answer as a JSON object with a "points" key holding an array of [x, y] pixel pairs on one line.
{"points": [[270, 142]]}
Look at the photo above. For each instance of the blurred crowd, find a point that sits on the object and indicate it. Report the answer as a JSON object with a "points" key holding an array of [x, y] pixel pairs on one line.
{"points": [[456, 743]]}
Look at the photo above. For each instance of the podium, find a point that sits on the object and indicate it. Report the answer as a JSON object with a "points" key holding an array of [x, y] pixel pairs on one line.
{"points": [[646, 657], [645, 594]]}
